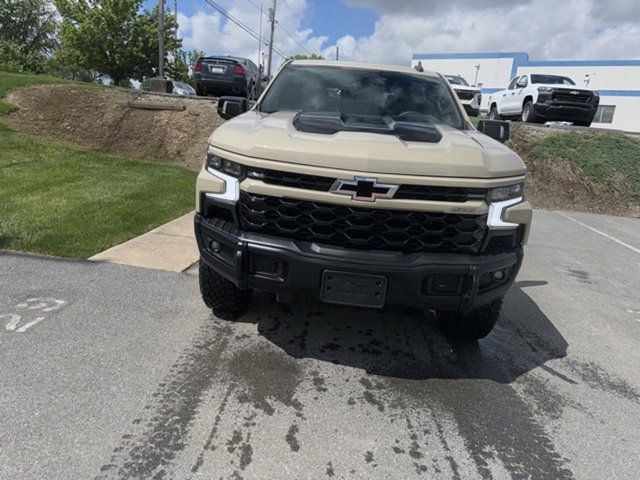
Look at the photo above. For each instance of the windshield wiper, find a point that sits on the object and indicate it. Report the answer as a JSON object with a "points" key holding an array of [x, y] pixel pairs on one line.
{"points": [[334, 122]]}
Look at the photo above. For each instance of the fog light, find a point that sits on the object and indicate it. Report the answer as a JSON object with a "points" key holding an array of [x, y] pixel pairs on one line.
{"points": [[498, 275], [214, 246]]}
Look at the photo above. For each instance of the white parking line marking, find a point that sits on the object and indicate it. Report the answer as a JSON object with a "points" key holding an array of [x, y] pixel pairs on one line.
{"points": [[600, 232]]}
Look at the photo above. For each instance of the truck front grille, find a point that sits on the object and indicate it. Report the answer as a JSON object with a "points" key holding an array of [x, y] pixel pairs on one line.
{"points": [[361, 228], [405, 192], [566, 96], [465, 94]]}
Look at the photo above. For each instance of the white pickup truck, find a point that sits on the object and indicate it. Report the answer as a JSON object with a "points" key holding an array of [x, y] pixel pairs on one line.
{"points": [[539, 98], [469, 96]]}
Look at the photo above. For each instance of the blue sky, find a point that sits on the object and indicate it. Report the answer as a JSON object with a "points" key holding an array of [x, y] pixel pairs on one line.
{"points": [[331, 18], [391, 31]]}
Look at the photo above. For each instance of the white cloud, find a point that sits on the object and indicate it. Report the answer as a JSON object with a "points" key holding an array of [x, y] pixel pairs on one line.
{"points": [[575, 29], [546, 29], [210, 31]]}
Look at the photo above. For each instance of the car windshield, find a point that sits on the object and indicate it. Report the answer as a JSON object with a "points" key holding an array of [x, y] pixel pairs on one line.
{"points": [[181, 85], [455, 80], [551, 79], [358, 91]]}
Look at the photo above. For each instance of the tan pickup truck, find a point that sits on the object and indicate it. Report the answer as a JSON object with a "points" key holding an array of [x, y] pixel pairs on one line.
{"points": [[361, 185]]}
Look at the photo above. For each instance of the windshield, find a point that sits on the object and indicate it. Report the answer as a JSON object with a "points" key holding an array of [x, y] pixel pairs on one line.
{"points": [[356, 91], [551, 79], [455, 80]]}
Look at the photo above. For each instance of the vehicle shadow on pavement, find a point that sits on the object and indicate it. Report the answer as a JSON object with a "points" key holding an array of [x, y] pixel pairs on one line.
{"points": [[406, 344]]}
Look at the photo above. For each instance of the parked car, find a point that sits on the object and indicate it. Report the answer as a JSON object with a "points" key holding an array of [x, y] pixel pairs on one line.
{"points": [[469, 96], [227, 76], [539, 98], [361, 185], [182, 88]]}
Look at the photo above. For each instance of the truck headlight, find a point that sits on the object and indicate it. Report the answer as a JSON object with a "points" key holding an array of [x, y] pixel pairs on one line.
{"points": [[545, 89], [508, 192], [216, 162]]}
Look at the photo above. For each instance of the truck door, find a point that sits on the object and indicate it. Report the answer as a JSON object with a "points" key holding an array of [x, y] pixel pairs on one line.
{"points": [[505, 96], [519, 94]]}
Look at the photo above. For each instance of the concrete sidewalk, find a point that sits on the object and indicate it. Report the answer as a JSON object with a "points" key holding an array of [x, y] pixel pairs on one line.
{"points": [[171, 247]]}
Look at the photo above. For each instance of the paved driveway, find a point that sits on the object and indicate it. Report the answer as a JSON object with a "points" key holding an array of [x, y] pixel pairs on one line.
{"points": [[120, 372]]}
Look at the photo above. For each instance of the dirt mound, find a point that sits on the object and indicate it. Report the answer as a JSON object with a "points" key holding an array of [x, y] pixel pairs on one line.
{"points": [[96, 118], [556, 184]]}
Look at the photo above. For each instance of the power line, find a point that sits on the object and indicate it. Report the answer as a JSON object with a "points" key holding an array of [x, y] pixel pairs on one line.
{"points": [[255, 4], [243, 26], [293, 38]]}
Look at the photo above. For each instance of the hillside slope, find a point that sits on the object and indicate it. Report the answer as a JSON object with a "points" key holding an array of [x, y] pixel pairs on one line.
{"points": [[95, 118], [585, 171]]}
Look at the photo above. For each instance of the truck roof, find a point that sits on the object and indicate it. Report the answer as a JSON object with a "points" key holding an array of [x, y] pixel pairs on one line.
{"points": [[363, 65]]}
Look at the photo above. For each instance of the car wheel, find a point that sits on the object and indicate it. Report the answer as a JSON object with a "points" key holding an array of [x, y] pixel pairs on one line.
{"points": [[493, 114], [474, 325], [528, 114], [200, 92], [227, 301], [582, 124]]}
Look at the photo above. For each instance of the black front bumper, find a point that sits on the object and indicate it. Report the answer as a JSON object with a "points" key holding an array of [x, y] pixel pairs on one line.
{"points": [[441, 281], [564, 111]]}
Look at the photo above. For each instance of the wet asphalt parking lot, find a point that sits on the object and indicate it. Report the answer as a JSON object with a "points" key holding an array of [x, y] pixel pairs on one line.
{"points": [[116, 372]]}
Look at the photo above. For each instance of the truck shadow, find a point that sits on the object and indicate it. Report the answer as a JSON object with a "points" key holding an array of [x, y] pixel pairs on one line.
{"points": [[406, 344]]}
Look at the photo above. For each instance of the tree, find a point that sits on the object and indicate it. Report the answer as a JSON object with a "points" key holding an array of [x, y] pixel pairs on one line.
{"points": [[113, 37], [28, 30], [313, 56], [179, 66]]}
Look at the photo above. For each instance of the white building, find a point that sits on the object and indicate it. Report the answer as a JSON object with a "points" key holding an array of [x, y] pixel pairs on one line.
{"points": [[618, 81]]}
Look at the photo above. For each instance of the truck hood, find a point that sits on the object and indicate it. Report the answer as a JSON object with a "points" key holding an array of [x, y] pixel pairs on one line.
{"points": [[564, 87], [468, 89], [459, 154]]}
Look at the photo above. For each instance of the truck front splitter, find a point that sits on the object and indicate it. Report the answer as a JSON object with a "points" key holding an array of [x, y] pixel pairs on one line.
{"points": [[445, 281]]}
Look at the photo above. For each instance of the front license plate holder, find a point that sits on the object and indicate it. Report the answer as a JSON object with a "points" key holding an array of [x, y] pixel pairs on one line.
{"points": [[355, 289]]}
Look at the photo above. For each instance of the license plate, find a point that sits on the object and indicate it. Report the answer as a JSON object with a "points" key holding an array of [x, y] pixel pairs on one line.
{"points": [[356, 289], [213, 69]]}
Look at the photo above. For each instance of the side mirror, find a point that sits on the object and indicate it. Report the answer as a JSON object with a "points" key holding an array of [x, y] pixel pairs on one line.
{"points": [[496, 129], [229, 107]]}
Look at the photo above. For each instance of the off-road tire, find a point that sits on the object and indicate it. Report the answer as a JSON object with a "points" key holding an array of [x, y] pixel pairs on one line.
{"points": [[227, 301], [528, 113], [582, 124], [474, 325], [493, 114]]}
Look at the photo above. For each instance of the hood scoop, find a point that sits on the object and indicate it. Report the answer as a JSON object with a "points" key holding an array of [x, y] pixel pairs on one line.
{"points": [[334, 122]]}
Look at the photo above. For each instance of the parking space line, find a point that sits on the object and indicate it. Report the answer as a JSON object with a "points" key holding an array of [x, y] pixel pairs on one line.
{"points": [[600, 232]]}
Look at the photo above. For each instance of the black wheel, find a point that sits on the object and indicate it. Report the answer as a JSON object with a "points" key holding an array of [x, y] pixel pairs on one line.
{"points": [[226, 300], [200, 92], [582, 124], [493, 113], [528, 113], [472, 326]]}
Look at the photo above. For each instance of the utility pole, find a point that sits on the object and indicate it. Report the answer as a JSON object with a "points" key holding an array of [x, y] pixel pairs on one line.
{"points": [[337, 53], [161, 39], [260, 39], [272, 19], [176, 51]]}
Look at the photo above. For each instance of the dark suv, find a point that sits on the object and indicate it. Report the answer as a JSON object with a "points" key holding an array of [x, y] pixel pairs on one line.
{"points": [[227, 76]]}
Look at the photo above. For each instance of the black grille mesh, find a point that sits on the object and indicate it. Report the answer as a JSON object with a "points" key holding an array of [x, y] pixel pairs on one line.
{"points": [[405, 192], [361, 228], [465, 94]]}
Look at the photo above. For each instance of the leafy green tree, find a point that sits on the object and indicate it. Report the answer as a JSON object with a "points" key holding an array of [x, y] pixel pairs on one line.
{"points": [[28, 34], [179, 66], [113, 37], [313, 56]]}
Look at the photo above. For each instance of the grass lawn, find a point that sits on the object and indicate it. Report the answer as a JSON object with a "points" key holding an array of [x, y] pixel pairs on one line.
{"points": [[602, 156], [68, 202]]}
